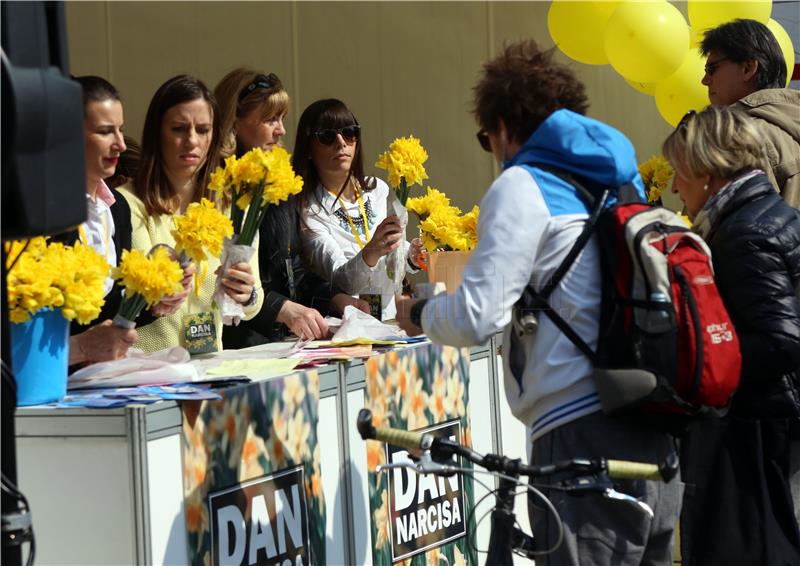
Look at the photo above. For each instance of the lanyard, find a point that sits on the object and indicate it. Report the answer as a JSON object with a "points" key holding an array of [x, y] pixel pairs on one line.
{"points": [[85, 239], [350, 220], [290, 273]]}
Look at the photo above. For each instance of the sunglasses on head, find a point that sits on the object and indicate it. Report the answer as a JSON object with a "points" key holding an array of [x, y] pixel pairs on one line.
{"points": [[686, 118], [711, 66], [260, 81], [350, 134], [483, 139]]}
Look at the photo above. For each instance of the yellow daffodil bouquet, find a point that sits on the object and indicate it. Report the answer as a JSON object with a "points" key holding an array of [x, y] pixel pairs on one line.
{"points": [[50, 275], [656, 173], [198, 233], [443, 227], [147, 279], [251, 182], [405, 164]]}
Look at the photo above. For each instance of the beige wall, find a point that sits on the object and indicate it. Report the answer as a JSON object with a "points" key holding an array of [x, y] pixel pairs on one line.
{"points": [[403, 67]]}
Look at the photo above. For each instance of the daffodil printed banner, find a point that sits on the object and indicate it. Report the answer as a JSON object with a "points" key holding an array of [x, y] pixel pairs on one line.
{"points": [[251, 475], [420, 520]]}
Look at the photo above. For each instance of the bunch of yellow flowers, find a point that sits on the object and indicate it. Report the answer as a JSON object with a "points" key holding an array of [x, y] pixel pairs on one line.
{"points": [[405, 164], [48, 275], [147, 279], [203, 228], [656, 173], [442, 225], [253, 181]]}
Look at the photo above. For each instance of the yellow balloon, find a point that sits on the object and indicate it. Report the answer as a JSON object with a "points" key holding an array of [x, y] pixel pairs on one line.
{"points": [[577, 28], [644, 88], [786, 46], [705, 14], [695, 38], [682, 91], [646, 41]]}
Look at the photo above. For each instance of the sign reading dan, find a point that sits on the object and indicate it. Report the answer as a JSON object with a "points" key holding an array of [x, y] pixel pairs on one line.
{"points": [[262, 521], [425, 511]]}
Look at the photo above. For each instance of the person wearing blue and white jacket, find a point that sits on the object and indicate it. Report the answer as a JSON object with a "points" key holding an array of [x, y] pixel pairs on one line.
{"points": [[531, 113]]}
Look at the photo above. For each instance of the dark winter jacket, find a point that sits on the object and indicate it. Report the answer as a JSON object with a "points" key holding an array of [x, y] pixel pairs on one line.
{"points": [[755, 247], [279, 240]]}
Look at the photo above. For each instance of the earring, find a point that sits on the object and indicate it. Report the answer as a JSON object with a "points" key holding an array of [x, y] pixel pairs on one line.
{"points": [[705, 187]]}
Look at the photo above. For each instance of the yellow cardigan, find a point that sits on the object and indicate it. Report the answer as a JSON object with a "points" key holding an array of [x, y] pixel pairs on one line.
{"points": [[167, 331]]}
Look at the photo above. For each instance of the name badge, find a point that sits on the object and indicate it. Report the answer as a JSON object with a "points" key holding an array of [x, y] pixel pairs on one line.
{"points": [[374, 301], [200, 333]]}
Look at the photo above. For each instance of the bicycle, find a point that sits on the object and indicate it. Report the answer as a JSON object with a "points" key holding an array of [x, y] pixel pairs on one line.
{"points": [[434, 455]]}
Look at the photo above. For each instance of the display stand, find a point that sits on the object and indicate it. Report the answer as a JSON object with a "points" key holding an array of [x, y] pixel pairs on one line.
{"points": [[105, 486]]}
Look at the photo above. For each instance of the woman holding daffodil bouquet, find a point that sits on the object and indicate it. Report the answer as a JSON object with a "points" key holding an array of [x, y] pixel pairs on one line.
{"points": [[252, 108], [180, 147], [347, 231], [107, 228]]}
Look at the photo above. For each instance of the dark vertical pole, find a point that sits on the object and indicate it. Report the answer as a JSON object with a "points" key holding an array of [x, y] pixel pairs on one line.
{"points": [[11, 553]]}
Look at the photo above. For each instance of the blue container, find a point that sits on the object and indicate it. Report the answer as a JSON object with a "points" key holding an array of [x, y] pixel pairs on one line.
{"points": [[40, 355]]}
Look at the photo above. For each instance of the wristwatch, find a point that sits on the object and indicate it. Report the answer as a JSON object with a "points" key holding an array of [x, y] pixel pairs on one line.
{"points": [[253, 297], [415, 314]]}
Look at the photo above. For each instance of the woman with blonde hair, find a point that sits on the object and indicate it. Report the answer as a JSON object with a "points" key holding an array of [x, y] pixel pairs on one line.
{"points": [[180, 148], [252, 109], [738, 506]]}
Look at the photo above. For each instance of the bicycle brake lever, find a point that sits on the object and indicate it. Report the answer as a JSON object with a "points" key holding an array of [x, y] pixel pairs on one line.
{"points": [[612, 493], [423, 465]]}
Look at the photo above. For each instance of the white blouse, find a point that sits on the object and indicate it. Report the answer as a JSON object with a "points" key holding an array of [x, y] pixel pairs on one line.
{"points": [[333, 250]]}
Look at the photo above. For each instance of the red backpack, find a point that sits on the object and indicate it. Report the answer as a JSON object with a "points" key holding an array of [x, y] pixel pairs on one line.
{"points": [[666, 346]]}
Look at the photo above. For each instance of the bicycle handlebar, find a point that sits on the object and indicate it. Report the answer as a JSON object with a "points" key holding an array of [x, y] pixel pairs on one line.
{"points": [[415, 441]]}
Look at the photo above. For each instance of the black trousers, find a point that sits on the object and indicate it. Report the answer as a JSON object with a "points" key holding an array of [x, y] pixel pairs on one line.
{"points": [[737, 506]]}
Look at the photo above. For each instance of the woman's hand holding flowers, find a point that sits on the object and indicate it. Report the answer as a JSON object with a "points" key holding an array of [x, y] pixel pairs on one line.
{"points": [[388, 237], [101, 343], [417, 254], [238, 282], [170, 305]]}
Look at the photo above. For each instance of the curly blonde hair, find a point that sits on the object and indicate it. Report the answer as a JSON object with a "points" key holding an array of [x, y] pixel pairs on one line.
{"points": [[719, 141], [273, 101]]}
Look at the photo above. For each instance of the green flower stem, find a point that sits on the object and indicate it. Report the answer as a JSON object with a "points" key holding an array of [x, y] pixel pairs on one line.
{"points": [[252, 220], [131, 307], [236, 212], [402, 191]]}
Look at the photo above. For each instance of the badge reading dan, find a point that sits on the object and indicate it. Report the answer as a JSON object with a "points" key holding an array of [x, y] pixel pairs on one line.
{"points": [[200, 333]]}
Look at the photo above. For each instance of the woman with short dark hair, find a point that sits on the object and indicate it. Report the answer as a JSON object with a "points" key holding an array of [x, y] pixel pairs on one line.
{"points": [[180, 148]]}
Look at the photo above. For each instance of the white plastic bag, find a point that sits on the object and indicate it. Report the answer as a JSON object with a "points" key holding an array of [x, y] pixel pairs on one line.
{"points": [[232, 253], [396, 260]]}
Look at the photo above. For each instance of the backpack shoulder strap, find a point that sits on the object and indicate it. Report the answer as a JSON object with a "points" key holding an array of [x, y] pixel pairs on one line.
{"points": [[537, 300]]}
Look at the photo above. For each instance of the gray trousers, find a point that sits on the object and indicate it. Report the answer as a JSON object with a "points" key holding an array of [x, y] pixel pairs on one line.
{"points": [[600, 531]]}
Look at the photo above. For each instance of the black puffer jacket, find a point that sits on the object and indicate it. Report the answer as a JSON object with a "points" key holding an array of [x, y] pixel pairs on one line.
{"points": [[756, 252]]}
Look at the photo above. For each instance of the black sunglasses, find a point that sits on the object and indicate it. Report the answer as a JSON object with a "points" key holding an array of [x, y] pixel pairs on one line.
{"points": [[711, 66], [483, 139], [350, 134], [260, 81]]}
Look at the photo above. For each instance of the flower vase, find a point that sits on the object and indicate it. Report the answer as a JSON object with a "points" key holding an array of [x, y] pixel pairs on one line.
{"points": [[396, 260], [447, 268], [40, 357], [230, 311]]}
